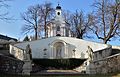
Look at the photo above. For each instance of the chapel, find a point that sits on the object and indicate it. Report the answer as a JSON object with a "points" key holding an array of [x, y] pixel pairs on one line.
{"points": [[60, 44], [58, 26]]}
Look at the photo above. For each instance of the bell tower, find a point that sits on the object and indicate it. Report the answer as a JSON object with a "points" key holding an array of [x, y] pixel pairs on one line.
{"points": [[58, 26], [58, 11], [58, 19]]}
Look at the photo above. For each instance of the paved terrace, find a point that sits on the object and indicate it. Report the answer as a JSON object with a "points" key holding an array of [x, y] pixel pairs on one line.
{"points": [[57, 72]]}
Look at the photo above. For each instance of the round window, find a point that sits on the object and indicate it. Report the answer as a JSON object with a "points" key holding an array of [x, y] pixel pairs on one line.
{"points": [[58, 13]]}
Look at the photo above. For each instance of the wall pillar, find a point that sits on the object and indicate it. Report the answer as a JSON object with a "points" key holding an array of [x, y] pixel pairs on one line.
{"points": [[90, 68], [66, 51], [27, 67], [51, 55]]}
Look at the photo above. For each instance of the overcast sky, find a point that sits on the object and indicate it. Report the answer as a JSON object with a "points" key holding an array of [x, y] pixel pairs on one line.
{"points": [[13, 28]]}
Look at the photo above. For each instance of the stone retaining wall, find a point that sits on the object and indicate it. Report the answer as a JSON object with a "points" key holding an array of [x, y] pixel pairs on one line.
{"points": [[10, 65], [101, 54], [110, 64], [89, 67]]}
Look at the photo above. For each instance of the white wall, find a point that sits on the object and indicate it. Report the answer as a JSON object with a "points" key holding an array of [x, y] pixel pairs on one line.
{"points": [[80, 46]]}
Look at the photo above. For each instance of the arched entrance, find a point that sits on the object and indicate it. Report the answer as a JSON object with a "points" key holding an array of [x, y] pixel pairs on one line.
{"points": [[59, 50]]}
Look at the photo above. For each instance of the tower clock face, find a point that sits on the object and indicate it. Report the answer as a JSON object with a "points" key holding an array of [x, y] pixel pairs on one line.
{"points": [[58, 13]]}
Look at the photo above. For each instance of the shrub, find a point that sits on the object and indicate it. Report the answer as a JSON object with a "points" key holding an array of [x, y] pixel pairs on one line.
{"points": [[69, 63]]}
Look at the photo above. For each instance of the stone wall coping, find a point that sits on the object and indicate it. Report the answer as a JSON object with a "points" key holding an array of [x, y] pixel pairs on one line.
{"points": [[108, 57], [109, 47], [17, 47], [10, 57]]}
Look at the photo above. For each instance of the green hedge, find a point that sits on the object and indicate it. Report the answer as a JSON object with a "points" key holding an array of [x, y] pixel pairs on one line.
{"points": [[70, 63]]}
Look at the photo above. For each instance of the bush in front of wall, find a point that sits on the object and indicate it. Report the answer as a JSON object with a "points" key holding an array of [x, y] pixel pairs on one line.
{"points": [[69, 63]]}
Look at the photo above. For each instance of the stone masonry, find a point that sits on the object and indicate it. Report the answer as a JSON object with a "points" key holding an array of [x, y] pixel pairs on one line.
{"points": [[10, 65], [110, 64]]}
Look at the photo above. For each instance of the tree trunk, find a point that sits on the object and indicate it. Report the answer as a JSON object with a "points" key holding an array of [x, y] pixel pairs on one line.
{"points": [[105, 41], [36, 33], [79, 34], [45, 31], [45, 27]]}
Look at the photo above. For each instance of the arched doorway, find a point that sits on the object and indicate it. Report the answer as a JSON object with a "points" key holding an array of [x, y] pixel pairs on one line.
{"points": [[59, 50], [58, 35]]}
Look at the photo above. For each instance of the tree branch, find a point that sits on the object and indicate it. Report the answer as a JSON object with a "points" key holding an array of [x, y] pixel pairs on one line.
{"points": [[98, 36]]}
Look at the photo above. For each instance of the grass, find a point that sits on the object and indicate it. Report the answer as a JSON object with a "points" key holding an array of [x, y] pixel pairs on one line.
{"points": [[59, 76]]}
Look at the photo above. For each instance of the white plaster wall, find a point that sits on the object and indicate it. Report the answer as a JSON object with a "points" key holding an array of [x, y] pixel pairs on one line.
{"points": [[80, 46], [52, 30]]}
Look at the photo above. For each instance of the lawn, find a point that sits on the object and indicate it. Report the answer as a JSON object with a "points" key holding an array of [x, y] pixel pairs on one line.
{"points": [[61, 75]]}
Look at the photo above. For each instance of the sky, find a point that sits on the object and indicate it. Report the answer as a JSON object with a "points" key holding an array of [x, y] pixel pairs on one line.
{"points": [[13, 28]]}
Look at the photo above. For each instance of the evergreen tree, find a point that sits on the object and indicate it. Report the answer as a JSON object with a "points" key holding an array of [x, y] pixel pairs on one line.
{"points": [[26, 38]]}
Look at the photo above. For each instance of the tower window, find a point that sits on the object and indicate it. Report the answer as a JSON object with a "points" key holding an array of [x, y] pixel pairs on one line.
{"points": [[58, 28], [58, 13]]}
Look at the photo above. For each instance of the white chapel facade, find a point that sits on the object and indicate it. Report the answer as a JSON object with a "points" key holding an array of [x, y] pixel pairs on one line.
{"points": [[58, 25]]}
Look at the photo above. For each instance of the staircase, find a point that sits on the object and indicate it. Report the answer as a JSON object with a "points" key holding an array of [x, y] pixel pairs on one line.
{"points": [[20, 54]]}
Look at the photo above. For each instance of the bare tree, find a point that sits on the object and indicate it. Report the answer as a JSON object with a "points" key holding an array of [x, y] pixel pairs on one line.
{"points": [[80, 24], [69, 21], [67, 16], [36, 19], [106, 19], [46, 13], [32, 19]]}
